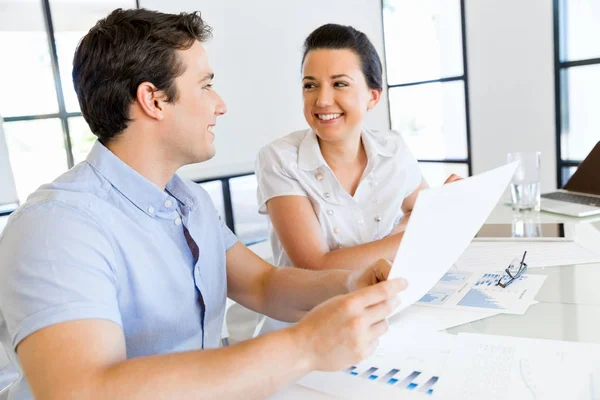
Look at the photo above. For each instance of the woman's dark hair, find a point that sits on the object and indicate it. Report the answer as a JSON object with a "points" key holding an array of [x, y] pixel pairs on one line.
{"points": [[333, 36], [123, 50]]}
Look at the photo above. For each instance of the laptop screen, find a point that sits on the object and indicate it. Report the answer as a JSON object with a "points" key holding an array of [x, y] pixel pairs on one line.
{"points": [[587, 177]]}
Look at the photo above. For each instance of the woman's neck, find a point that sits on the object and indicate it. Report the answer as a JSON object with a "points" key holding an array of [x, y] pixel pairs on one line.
{"points": [[344, 153]]}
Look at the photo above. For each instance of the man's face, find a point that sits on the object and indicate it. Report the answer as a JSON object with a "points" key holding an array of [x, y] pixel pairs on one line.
{"points": [[191, 119]]}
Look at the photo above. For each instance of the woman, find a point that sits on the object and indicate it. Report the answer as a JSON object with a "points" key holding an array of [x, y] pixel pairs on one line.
{"points": [[338, 195]]}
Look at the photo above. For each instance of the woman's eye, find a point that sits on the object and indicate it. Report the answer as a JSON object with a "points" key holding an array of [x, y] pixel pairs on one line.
{"points": [[308, 86], [340, 84]]}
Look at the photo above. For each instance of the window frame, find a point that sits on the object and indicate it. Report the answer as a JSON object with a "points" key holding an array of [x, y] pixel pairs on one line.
{"points": [[561, 86], [464, 78]]}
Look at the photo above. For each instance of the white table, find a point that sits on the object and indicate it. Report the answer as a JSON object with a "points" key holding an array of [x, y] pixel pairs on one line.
{"points": [[569, 301]]}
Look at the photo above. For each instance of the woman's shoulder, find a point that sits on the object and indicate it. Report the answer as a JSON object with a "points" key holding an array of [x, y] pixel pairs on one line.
{"points": [[388, 141], [284, 148]]}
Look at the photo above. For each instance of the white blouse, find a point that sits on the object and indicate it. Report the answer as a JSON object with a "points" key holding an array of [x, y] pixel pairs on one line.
{"points": [[294, 166]]}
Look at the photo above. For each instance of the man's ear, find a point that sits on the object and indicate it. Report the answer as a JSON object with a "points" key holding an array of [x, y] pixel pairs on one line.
{"points": [[151, 100]]}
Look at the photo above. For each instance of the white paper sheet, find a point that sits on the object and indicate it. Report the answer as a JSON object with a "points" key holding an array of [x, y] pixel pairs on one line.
{"points": [[502, 368], [465, 290], [442, 224], [403, 366], [490, 256], [417, 318]]}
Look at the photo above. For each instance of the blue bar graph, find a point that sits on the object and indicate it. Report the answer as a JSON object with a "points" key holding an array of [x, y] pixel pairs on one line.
{"points": [[408, 380], [479, 299], [389, 377], [369, 374], [455, 277], [428, 386]]}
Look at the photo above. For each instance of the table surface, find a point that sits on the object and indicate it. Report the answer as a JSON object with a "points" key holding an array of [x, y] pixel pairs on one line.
{"points": [[569, 300]]}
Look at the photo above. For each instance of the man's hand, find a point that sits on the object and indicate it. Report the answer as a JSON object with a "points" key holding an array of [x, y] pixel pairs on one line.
{"points": [[376, 273], [344, 330]]}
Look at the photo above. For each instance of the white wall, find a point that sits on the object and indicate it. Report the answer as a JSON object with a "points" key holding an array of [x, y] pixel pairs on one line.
{"points": [[256, 53], [511, 82]]}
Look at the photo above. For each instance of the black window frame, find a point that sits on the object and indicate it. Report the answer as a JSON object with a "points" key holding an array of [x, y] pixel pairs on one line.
{"points": [[561, 86], [464, 78]]}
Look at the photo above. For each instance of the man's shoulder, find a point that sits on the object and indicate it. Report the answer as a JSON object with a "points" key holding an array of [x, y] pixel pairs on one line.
{"points": [[79, 191]]}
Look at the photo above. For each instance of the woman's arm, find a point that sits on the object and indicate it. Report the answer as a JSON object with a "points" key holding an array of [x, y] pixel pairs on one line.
{"points": [[301, 236]]}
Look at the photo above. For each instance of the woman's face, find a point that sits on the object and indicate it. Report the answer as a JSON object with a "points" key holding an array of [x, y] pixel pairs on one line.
{"points": [[336, 95]]}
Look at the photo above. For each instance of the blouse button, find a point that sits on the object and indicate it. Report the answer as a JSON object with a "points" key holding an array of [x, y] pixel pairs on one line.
{"points": [[336, 230], [319, 176], [340, 246], [327, 195], [377, 218], [361, 221], [329, 212]]}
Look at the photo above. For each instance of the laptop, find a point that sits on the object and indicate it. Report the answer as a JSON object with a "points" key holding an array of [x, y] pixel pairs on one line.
{"points": [[580, 197]]}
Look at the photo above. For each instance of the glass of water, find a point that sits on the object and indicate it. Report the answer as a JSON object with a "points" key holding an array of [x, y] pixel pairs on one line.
{"points": [[525, 184]]}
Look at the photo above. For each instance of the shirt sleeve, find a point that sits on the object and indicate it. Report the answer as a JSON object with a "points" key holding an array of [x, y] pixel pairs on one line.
{"points": [[274, 178], [57, 265]]}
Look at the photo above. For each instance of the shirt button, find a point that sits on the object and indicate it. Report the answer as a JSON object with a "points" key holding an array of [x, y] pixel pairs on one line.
{"points": [[168, 203], [377, 218], [177, 221], [340, 246], [151, 209], [319, 176], [336, 230], [330, 212], [327, 195]]}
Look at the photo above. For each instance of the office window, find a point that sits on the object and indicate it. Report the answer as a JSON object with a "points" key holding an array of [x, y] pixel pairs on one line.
{"points": [[45, 132], [427, 81], [577, 69]]}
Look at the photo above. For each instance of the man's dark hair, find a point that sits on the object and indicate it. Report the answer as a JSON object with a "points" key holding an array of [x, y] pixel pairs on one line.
{"points": [[123, 50], [333, 36]]}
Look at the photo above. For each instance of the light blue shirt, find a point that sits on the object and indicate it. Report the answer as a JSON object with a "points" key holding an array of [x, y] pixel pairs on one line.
{"points": [[103, 242]]}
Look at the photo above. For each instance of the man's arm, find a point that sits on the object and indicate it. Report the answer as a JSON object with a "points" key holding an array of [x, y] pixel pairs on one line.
{"points": [[86, 359], [287, 294]]}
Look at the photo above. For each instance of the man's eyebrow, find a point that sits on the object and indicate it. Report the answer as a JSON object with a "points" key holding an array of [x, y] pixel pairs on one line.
{"points": [[208, 77]]}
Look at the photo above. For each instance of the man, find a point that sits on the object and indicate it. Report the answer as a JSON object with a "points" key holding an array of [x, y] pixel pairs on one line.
{"points": [[113, 278]]}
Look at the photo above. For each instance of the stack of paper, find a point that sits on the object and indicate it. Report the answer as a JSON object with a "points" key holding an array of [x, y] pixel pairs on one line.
{"points": [[490, 256], [464, 290], [403, 366], [442, 224], [503, 368]]}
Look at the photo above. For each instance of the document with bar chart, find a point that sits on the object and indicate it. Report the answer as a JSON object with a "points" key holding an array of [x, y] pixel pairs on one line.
{"points": [[402, 367], [477, 291]]}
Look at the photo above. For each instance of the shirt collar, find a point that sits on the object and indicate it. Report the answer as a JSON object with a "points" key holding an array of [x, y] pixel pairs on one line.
{"points": [[140, 191], [310, 157]]}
